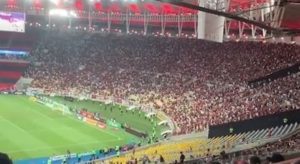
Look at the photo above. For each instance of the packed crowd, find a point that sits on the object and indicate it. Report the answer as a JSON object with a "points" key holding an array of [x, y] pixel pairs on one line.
{"points": [[278, 151], [282, 146], [197, 83]]}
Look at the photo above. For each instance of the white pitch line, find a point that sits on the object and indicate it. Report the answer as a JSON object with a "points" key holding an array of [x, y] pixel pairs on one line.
{"points": [[12, 124], [97, 128], [62, 146]]}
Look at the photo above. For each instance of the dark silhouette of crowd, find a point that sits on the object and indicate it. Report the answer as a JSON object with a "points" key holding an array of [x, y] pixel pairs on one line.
{"points": [[197, 83]]}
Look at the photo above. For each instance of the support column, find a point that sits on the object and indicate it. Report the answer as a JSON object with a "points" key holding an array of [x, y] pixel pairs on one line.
{"points": [[180, 24], [90, 18], [253, 31], [108, 21], [201, 20], [195, 25], [211, 27], [163, 23], [227, 25], [49, 20], [70, 22], [145, 23], [127, 21], [241, 29]]}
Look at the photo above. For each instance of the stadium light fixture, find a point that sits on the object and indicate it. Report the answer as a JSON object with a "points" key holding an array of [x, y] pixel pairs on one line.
{"points": [[62, 13], [72, 14], [58, 12]]}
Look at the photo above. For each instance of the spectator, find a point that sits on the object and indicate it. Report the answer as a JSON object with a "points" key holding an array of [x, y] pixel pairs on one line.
{"points": [[4, 159], [161, 159], [182, 157], [275, 158], [254, 160]]}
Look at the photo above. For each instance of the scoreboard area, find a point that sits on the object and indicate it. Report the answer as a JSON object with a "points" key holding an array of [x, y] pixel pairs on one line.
{"points": [[12, 21]]}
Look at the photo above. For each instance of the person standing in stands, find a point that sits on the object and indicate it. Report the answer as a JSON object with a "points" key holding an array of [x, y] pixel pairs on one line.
{"points": [[182, 157], [254, 160], [161, 159]]}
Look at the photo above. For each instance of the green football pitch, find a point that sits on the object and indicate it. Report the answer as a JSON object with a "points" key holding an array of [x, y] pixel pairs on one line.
{"points": [[29, 130]]}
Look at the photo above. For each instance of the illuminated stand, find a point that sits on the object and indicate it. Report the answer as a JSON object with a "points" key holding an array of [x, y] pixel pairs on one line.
{"points": [[211, 27]]}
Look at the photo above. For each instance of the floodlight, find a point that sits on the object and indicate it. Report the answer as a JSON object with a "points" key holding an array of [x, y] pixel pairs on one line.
{"points": [[56, 2], [59, 12]]}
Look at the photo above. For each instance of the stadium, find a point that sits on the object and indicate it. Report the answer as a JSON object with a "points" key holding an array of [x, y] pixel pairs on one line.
{"points": [[149, 81]]}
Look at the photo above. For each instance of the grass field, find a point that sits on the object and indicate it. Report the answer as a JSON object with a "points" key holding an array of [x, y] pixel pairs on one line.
{"points": [[133, 119], [29, 130]]}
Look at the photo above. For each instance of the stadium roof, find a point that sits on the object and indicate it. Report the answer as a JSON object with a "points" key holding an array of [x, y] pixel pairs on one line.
{"points": [[291, 18], [118, 5]]}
